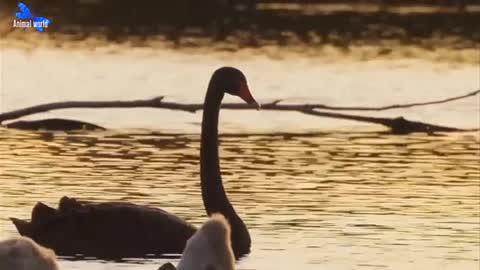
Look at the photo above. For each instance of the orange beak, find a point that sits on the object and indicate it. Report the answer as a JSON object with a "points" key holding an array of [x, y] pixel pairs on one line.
{"points": [[246, 95]]}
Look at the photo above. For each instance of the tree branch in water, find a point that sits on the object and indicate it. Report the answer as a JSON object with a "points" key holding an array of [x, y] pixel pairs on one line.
{"points": [[397, 125]]}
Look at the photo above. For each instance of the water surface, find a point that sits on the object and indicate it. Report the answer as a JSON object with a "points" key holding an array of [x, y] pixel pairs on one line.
{"points": [[312, 201]]}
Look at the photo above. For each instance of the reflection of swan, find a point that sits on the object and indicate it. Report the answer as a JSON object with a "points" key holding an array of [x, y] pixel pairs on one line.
{"points": [[209, 247], [114, 230], [24, 254]]}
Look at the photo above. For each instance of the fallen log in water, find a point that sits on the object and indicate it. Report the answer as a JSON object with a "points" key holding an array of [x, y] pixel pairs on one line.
{"points": [[53, 124]]}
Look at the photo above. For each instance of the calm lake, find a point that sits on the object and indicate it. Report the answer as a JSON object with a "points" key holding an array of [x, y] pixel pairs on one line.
{"points": [[315, 193]]}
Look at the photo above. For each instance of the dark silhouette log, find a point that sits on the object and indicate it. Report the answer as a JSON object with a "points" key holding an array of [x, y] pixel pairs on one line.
{"points": [[54, 124], [397, 125]]}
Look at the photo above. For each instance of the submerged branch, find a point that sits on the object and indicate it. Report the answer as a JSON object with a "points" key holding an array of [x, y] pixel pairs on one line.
{"points": [[397, 125]]}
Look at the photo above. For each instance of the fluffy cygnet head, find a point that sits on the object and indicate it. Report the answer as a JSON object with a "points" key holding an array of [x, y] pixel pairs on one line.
{"points": [[23, 253], [210, 247]]}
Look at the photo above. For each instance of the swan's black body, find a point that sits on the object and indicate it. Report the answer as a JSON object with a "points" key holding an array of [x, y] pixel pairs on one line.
{"points": [[119, 230]]}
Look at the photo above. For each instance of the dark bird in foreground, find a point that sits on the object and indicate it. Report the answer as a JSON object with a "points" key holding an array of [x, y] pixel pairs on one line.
{"points": [[114, 230]]}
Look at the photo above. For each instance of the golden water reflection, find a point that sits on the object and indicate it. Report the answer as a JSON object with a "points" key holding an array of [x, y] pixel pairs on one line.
{"points": [[312, 201]]}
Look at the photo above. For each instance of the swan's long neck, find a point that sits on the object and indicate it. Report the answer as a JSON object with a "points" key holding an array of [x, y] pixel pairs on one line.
{"points": [[214, 197], [213, 193]]}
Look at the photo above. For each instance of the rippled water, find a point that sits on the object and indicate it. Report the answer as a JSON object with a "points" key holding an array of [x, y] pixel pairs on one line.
{"points": [[334, 200]]}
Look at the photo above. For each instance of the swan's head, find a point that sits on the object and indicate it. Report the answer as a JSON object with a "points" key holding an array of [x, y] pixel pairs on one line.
{"points": [[233, 82]]}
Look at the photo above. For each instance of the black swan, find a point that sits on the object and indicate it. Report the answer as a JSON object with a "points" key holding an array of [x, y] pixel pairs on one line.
{"points": [[210, 247], [117, 229], [23, 253]]}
